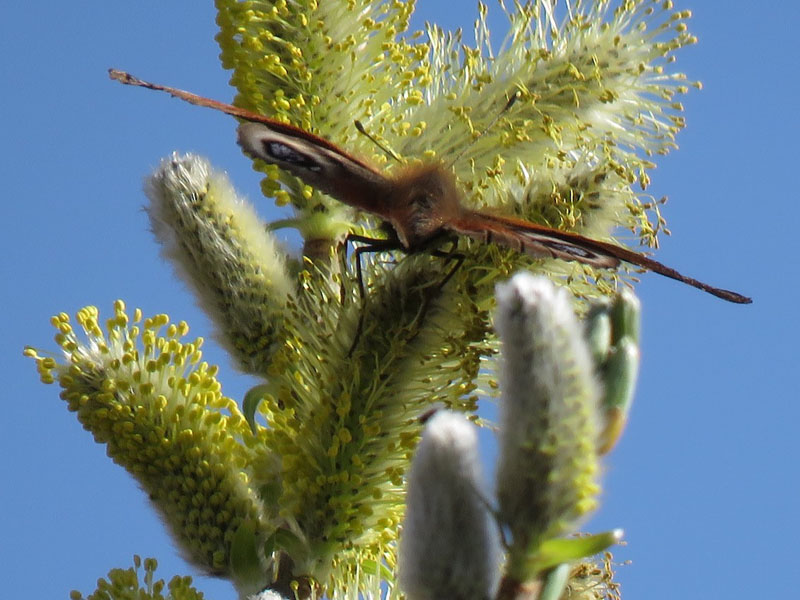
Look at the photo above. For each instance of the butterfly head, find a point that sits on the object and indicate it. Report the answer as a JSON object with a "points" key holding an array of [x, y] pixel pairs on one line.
{"points": [[423, 200]]}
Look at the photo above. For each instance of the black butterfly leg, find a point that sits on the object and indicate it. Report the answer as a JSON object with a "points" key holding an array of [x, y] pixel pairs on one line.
{"points": [[370, 245], [459, 260], [452, 255], [386, 245]]}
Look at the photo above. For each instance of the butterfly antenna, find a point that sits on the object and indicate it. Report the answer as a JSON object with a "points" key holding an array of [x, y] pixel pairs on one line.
{"points": [[128, 79], [511, 101], [387, 151]]}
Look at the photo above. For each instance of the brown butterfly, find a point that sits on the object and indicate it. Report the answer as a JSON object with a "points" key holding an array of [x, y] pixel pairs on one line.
{"points": [[420, 203]]}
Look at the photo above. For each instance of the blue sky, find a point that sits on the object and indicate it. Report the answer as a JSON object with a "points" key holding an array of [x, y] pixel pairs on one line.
{"points": [[705, 482]]}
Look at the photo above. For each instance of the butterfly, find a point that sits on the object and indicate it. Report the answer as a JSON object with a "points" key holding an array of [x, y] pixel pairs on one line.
{"points": [[420, 203]]}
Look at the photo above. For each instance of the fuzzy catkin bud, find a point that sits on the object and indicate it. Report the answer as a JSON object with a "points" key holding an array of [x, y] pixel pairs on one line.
{"points": [[222, 250], [612, 329], [448, 546], [266, 595], [548, 425]]}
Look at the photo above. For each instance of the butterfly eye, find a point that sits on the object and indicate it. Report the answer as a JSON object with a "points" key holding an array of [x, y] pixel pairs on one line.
{"points": [[423, 201]]}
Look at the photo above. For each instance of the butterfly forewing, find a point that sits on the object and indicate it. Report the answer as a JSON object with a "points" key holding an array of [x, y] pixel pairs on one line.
{"points": [[335, 173]]}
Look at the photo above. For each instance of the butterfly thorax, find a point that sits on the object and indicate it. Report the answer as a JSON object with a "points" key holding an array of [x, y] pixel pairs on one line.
{"points": [[422, 201]]}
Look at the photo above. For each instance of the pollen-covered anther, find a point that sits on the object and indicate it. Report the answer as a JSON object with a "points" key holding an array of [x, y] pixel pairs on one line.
{"points": [[159, 424]]}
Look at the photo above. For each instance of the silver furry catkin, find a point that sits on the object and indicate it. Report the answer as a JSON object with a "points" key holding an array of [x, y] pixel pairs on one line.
{"points": [[448, 545], [547, 470], [222, 250]]}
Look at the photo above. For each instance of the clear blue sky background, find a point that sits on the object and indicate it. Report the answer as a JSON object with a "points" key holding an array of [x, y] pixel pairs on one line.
{"points": [[705, 482]]}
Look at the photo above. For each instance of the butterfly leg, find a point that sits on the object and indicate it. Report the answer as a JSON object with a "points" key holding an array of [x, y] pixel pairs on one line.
{"points": [[451, 255], [370, 245]]}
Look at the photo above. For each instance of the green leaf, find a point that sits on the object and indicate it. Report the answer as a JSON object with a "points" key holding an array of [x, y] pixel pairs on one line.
{"points": [[288, 542], [372, 567], [252, 399], [564, 550], [626, 317], [619, 376], [621, 372], [598, 330], [554, 582], [270, 493], [245, 564]]}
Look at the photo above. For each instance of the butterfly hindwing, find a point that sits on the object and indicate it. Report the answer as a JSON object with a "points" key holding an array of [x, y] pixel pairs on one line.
{"points": [[538, 240], [535, 240]]}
